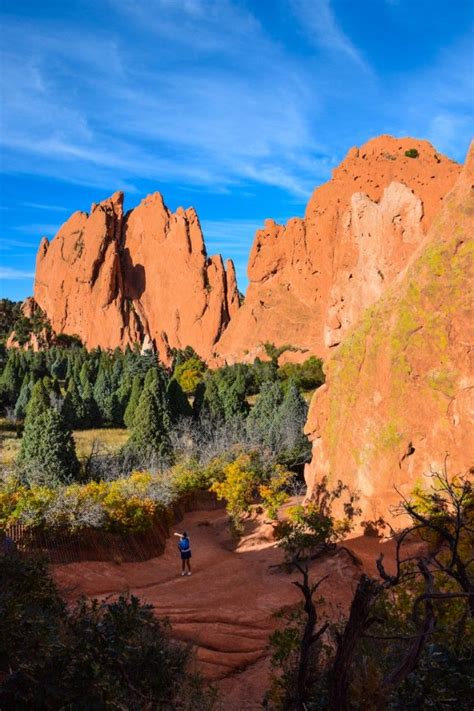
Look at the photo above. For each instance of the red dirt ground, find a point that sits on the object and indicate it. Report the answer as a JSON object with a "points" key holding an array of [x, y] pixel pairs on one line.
{"points": [[226, 608]]}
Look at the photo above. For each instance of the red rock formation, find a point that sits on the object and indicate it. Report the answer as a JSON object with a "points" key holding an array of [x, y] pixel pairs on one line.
{"points": [[311, 279], [114, 279], [399, 395], [40, 335]]}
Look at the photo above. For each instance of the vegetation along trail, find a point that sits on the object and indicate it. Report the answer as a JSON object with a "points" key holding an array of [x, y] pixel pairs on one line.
{"points": [[226, 608]]}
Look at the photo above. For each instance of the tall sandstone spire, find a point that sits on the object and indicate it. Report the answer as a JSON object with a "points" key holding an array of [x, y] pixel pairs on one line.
{"points": [[114, 279], [310, 280]]}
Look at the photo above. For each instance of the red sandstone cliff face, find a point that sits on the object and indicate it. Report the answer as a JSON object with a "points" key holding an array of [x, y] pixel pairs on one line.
{"points": [[114, 279], [399, 394], [311, 279]]}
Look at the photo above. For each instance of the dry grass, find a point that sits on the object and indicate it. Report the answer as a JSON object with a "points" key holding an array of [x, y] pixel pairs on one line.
{"points": [[9, 443], [110, 439]]}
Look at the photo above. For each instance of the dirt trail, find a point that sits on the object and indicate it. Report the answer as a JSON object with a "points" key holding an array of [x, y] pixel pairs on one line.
{"points": [[225, 609]]}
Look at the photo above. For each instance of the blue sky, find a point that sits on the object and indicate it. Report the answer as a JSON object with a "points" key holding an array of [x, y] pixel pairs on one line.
{"points": [[238, 108]]}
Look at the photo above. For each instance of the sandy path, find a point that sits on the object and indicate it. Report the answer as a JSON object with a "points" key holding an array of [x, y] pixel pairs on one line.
{"points": [[225, 609]]}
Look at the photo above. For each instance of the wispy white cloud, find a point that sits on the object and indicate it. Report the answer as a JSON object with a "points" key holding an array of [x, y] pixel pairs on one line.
{"points": [[40, 229], [92, 110], [319, 21], [14, 274], [8, 243], [49, 208]]}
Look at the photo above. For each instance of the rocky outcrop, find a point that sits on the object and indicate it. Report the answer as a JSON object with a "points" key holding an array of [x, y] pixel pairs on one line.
{"points": [[32, 331], [114, 279], [399, 395], [311, 279]]}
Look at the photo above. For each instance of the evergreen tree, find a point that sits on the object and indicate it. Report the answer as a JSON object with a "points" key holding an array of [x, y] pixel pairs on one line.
{"points": [[23, 398], [137, 387], [294, 446], [123, 394], [226, 392], [11, 380], [38, 366], [178, 402], [199, 405], [150, 434], [73, 410], [58, 367], [39, 402], [112, 411], [85, 375], [262, 425], [102, 392], [48, 454], [91, 411]]}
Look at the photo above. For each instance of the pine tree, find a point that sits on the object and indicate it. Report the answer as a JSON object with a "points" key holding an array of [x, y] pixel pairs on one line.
{"points": [[137, 387], [73, 410], [58, 368], [294, 446], [262, 421], [123, 394], [102, 393], [178, 402], [112, 411], [23, 398], [48, 454], [91, 411], [149, 437], [39, 402], [11, 379]]}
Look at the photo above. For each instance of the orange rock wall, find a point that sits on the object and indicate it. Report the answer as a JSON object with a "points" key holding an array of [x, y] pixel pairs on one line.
{"points": [[113, 279], [311, 279], [399, 395]]}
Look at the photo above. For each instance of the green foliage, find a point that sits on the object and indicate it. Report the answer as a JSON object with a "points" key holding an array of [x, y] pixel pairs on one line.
{"points": [[23, 398], [412, 153], [25, 326], [150, 430], [137, 387], [73, 410], [294, 448], [274, 493], [48, 452], [11, 379], [178, 402], [131, 504], [285, 651], [38, 403], [190, 373], [226, 390], [306, 376], [10, 312], [92, 655], [263, 371], [274, 352], [313, 528], [239, 487], [261, 423]]}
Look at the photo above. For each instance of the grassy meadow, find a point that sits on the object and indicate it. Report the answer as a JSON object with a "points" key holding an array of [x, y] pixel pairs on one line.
{"points": [[109, 440]]}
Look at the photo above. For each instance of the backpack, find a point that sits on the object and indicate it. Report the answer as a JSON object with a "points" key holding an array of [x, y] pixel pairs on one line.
{"points": [[184, 544]]}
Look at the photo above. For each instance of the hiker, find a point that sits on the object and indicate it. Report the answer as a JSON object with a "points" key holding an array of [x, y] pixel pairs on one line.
{"points": [[184, 548]]}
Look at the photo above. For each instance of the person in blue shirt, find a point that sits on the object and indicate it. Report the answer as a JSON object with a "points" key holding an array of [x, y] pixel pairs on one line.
{"points": [[184, 547]]}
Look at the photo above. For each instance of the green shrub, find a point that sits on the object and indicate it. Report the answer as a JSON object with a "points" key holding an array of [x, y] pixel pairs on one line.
{"points": [[412, 153], [90, 655]]}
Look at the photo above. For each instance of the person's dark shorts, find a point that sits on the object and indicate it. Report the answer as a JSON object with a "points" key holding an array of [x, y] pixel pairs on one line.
{"points": [[185, 555]]}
